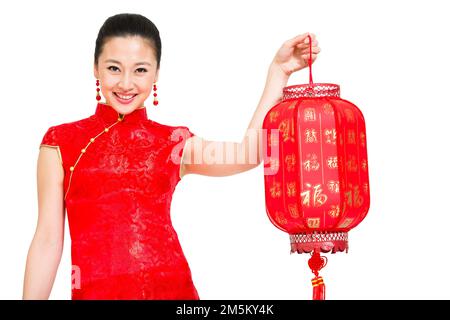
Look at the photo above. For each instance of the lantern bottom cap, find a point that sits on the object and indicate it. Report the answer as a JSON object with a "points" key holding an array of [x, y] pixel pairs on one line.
{"points": [[323, 241]]}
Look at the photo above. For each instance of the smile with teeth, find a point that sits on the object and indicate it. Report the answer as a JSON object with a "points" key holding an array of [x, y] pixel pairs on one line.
{"points": [[125, 97]]}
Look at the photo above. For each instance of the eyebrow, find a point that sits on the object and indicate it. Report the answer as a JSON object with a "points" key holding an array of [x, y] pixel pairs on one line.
{"points": [[138, 63]]}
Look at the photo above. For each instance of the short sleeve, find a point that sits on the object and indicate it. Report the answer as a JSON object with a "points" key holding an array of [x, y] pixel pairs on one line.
{"points": [[50, 139], [179, 136]]}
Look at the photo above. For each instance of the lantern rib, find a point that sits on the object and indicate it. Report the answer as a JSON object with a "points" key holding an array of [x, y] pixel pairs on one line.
{"points": [[341, 172], [321, 160]]}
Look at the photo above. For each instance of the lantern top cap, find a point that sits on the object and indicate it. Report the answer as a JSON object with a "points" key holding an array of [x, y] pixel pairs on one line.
{"points": [[315, 90]]}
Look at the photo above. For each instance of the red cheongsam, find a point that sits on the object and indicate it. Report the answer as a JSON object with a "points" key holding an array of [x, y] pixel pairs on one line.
{"points": [[120, 174]]}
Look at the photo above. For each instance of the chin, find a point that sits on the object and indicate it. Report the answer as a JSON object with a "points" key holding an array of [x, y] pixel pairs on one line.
{"points": [[125, 108]]}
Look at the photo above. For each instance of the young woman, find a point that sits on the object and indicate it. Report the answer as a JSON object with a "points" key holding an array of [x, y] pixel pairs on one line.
{"points": [[115, 173]]}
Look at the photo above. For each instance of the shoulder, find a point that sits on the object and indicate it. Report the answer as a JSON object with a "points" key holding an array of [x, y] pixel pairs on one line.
{"points": [[57, 133]]}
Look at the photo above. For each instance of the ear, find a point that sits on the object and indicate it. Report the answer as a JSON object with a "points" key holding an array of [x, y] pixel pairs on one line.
{"points": [[95, 71], [156, 76]]}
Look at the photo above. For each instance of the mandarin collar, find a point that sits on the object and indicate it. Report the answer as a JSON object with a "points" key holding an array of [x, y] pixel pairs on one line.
{"points": [[109, 115]]}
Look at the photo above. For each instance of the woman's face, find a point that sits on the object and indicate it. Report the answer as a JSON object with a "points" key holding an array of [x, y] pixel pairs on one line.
{"points": [[126, 67]]}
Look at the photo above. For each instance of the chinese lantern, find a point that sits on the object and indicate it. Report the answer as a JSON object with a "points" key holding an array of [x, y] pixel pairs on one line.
{"points": [[315, 170]]}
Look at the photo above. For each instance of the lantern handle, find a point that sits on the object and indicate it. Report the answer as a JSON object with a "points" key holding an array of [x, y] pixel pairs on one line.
{"points": [[310, 62]]}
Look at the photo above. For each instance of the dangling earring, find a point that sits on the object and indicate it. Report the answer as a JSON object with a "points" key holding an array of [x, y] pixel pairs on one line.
{"points": [[98, 92], [155, 100]]}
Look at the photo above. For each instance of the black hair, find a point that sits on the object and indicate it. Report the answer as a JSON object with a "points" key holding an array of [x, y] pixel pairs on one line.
{"points": [[128, 24]]}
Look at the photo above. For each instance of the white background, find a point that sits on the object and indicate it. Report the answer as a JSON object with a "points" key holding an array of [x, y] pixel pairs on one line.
{"points": [[391, 59]]}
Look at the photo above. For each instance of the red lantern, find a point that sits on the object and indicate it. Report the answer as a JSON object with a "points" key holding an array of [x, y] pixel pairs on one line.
{"points": [[315, 170]]}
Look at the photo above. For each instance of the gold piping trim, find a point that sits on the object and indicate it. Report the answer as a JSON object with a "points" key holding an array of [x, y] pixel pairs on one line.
{"points": [[72, 168], [57, 147]]}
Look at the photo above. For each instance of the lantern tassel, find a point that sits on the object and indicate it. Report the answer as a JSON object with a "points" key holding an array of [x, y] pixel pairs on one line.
{"points": [[318, 288], [317, 262]]}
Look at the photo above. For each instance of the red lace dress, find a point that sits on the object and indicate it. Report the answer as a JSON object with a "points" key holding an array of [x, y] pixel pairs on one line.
{"points": [[120, 174]]}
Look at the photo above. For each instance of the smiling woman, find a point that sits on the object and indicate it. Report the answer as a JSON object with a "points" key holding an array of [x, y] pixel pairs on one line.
{"points": [[125, 83], [116, 178], [118, 170]]}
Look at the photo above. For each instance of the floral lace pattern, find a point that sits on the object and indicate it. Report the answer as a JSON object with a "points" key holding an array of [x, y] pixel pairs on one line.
{"points": [[118, 205]]}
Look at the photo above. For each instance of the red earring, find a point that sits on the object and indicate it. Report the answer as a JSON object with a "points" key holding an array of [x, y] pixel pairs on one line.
{"points": [[155, 100], [98, 92]]}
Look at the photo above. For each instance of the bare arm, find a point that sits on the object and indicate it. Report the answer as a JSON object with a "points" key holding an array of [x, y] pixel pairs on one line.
{"points": [[224, 158], [45, 251]]}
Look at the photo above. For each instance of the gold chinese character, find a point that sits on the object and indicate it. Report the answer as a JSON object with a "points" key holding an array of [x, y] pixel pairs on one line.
{"points": [[334, 211], [275, 190], [332, 162], [346, 223], [333, 186], [291, 189], [313, 222], [310, 135], [292, 106], [328, 109], [352, 166], [357, 198], [362, 137], [349, 115], [351, 139], [280, 218], [353, 198], [364, 164], [311, 163], [273, 115], [318, 198], [293, 210], [366, 187], [287, 129], [290, 162], [309, 114], [330, 136]]}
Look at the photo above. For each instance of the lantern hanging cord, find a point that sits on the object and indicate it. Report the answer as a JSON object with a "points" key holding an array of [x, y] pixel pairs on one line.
{"points": [[310, 62]]}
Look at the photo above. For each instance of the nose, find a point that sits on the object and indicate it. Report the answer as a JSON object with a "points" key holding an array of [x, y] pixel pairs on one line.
{"points": [[126, 82]]}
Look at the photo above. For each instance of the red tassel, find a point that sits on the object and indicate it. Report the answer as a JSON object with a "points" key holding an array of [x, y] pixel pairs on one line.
{"points": [[316, 262], [318, 288]]}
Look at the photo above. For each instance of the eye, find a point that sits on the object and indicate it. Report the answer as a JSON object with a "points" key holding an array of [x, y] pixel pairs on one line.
{"points": [[109, 68], [145, 70]]}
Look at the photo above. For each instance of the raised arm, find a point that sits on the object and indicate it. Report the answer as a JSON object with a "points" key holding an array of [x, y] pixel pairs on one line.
{"points": [[224, 158], [45, 251]]}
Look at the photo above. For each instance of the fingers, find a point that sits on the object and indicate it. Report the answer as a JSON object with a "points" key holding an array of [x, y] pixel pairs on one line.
{"points": [[305, 43], [314, 50], [301, 42], [306, 56], [313, 37], [304, 51], [304, 46], [302, 38]]}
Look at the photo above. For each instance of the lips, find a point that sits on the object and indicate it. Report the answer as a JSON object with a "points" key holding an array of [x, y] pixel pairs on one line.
{"points": [[124, 98]]}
